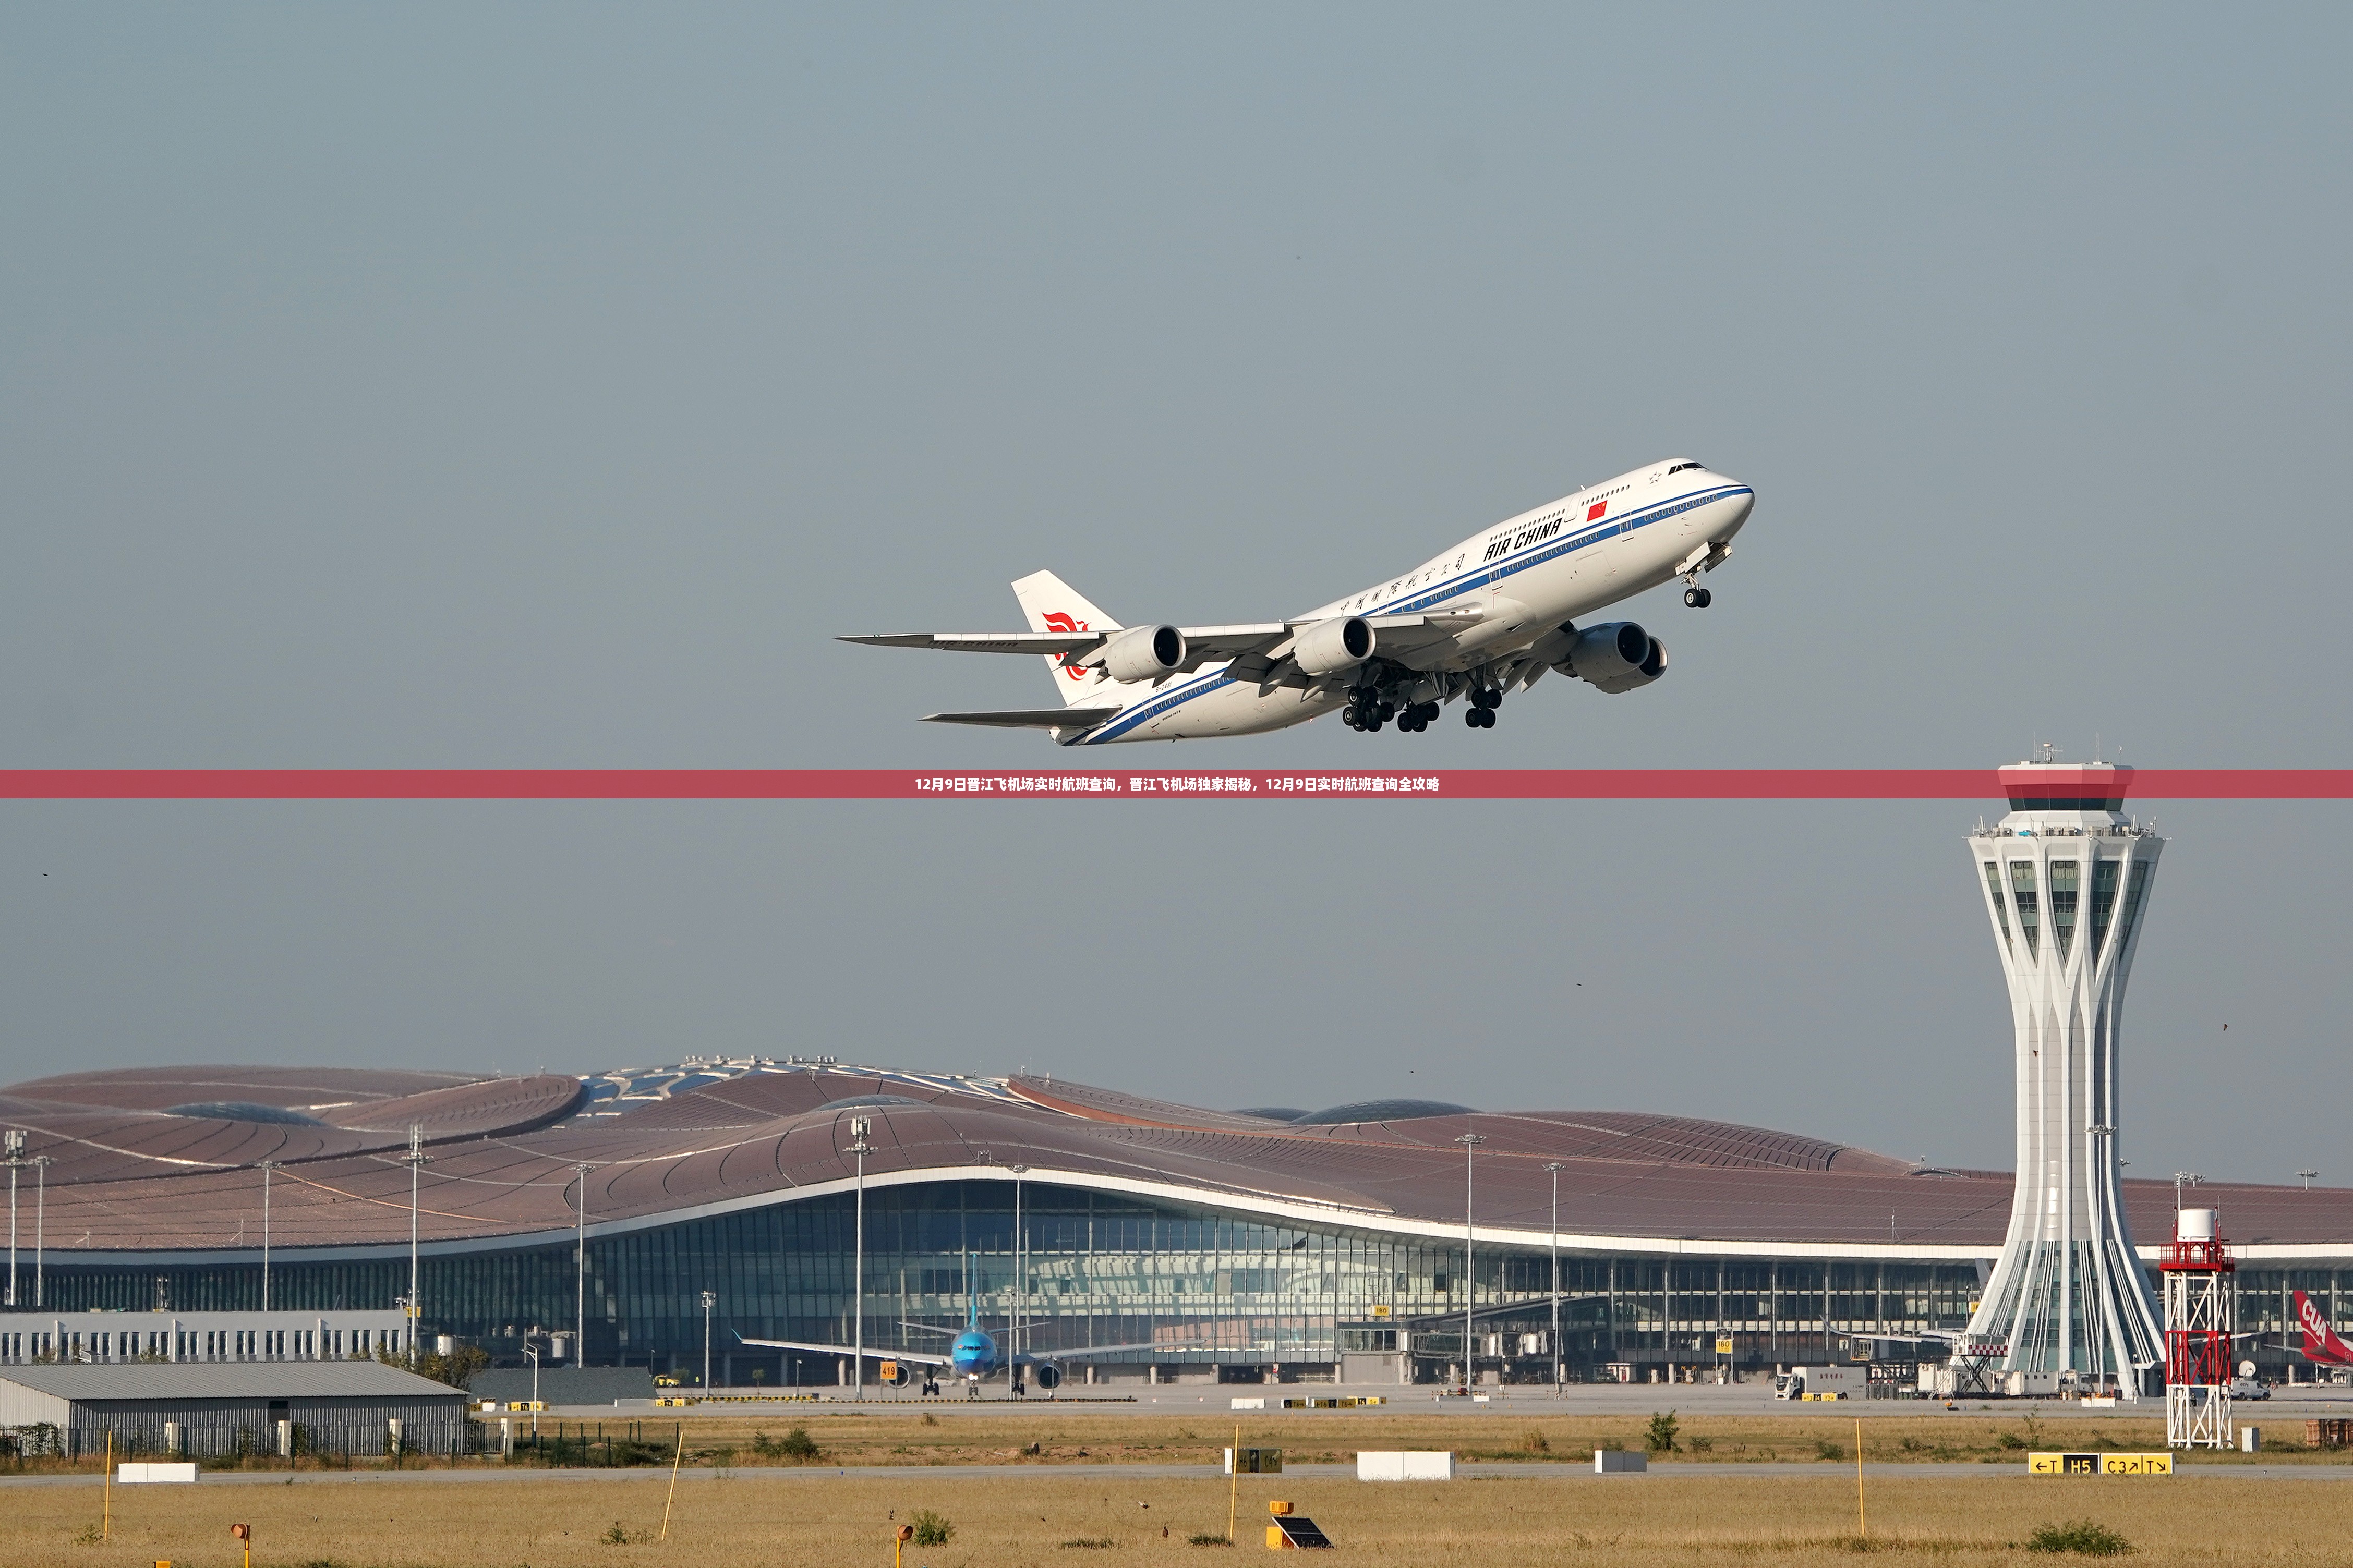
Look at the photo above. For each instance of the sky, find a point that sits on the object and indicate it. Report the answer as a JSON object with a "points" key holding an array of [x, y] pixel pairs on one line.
{"points": [[547, 386]]}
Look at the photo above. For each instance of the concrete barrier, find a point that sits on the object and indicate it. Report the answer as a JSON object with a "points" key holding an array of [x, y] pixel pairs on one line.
{"points": [[1405, 1465], [1618, 1462], [131, 1474]]}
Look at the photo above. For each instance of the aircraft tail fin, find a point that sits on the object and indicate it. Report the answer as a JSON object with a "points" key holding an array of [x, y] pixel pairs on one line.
{"points": [[971, 1298], [2321, 1343], [1053, 605]]}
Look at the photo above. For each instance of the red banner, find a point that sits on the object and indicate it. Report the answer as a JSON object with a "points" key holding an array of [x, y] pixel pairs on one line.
{"points": [[1124, 784]]}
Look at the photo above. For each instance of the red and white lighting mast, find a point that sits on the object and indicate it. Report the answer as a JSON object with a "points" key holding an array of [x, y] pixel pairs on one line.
{"points": [[2197, 1270]]}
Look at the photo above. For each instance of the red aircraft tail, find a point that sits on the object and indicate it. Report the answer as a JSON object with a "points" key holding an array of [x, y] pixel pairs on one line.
{"points": [[2320, 1342]]}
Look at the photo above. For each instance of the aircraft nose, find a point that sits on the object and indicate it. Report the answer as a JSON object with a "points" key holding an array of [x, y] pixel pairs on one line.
{"points": [[1735, 509]]}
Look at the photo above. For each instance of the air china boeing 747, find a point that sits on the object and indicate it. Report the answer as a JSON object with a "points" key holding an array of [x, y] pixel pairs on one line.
{"points": [[1496, 611]]}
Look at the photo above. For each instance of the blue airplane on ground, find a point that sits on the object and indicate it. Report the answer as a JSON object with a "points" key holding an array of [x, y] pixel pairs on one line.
{"points": [[974, 1354]]}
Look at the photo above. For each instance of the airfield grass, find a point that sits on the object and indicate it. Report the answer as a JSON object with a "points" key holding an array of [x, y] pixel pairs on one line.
{"points": [[1043, 1433], [756, 1519]]}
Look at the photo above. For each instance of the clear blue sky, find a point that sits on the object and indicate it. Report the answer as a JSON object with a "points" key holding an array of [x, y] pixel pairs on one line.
{"points": [[503, 385]]}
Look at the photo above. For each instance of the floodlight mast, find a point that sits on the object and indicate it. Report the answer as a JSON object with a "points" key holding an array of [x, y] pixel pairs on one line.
{"points": [[710, 1299], [15, 1147], [1020, 1284], [1470, 1141], [41, 1163], [858, 1128], [265, 1167], [417, 1158], [580, 1270], [1560, 1379]]}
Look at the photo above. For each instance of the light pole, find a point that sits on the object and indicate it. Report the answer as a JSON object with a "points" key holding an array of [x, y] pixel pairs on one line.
{"points": [[40, 1223], [1557, 1380], [416, 1160], [15, 1145], [710, 1299], [532, 1351], [858, 1127], [267, 1166], [1021, 1279], [1470, 1141], [580, 1270], [2309, 1177]]}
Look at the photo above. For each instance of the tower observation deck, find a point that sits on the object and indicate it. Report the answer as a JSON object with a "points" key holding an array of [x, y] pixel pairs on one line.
{"points": [[2066, 878]]}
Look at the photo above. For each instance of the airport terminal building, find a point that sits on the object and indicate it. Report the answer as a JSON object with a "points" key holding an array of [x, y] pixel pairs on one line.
{"points": [[1239, 1245]]}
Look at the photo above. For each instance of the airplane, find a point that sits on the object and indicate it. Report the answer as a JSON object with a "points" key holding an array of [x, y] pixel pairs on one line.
{"points": [[2321, 1344], [975, 1356], [1496, 611]]}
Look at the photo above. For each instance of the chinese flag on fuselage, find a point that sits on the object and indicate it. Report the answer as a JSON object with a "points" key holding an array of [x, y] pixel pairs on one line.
{"points": [[1593, 513]]}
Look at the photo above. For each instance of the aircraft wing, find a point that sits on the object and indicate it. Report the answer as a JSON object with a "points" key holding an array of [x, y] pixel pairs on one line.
{"points": [[1025, 1359], [1030, 718], [1202, 644], [872, 1353], [1049, 643], [1268, 662]]}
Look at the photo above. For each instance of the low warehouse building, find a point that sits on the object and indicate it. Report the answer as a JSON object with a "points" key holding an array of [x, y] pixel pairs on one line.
{"points": [[209, 1409]]}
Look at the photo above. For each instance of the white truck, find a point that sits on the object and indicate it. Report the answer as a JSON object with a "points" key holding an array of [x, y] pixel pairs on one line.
{"points": [[1822, 1383]]}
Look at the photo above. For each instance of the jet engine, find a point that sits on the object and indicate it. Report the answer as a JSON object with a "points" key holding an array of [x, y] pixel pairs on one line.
{"points": [[1617, 656], [1046, 1376], [1327, 648], [1147, 653]]}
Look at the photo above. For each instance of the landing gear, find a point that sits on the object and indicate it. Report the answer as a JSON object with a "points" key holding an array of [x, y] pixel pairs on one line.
{"points": [[1484, 700], [1698, 598], [1479, 718]]}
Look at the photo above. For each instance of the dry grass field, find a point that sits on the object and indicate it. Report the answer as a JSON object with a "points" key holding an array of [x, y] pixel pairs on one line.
{"points": [[1044, 1434], [1039, 1519]]}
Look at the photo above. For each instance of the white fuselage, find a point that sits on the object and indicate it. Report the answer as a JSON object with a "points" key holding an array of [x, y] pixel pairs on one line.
{"points": [[1526, 576]]}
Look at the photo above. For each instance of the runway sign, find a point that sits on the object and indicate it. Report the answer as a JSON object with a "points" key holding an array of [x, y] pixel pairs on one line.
{"points": [[2099, 1463]]}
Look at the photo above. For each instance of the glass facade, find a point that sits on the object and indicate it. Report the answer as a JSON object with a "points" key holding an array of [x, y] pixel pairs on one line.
{"points": [[1205, 1289], [2022, 882]]}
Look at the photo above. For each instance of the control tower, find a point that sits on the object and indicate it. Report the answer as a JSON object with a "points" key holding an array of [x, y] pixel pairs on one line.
{"points": [[2066, 878]]}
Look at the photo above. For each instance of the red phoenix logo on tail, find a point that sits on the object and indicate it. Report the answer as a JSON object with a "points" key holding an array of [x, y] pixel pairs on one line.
{"points": [[1056, 621]]}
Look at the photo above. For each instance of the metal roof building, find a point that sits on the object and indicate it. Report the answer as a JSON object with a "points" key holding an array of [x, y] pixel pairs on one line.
{"points": [[1225, 1239], [203, 1409]]}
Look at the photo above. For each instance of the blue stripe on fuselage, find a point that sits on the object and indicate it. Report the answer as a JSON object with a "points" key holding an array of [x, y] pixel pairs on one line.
{"points": [[1425, 598]]}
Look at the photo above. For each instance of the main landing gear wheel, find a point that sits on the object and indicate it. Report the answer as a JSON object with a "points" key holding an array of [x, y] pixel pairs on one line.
{"points": [[1480, 718], [1698, 598]]}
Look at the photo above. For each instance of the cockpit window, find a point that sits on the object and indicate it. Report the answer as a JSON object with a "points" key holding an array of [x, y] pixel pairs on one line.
{"points": [[1679, 468]]}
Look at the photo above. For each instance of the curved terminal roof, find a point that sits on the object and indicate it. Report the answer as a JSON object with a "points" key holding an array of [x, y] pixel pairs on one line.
{"points": [[162, 1162]]}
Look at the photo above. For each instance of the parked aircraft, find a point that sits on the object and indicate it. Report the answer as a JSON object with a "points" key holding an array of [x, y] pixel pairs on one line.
{"points": [[974, 1356]]}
